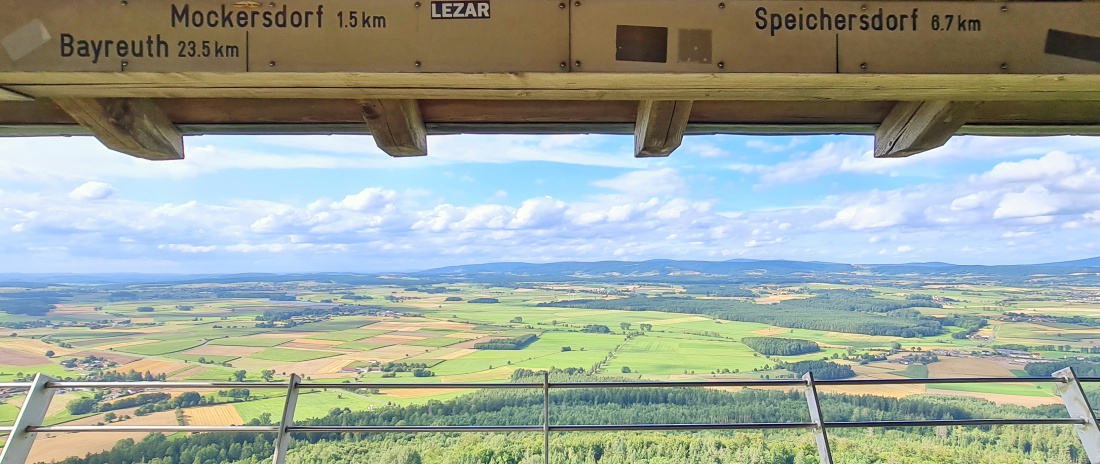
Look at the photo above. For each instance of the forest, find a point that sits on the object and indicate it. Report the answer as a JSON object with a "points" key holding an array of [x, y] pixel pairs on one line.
{"points": [[635, 405], [517, 343], [836, 311], [775, 346]]}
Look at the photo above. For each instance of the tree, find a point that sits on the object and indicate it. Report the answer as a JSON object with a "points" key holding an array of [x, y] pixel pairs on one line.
{"points": [[50, 353], [566, 348], [625, 326], [240, 375], [109, 417], [267, 374], [625, 370], [646, 327]]}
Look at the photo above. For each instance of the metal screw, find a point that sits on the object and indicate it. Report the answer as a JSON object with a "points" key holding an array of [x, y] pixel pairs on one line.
{"points": [[577, 3], [417, 4], [271, 63], [863, 7], [1004, 66], [271, 5], [563, 64], [1004, 9], [577, 64], [863, 66], [721, 5], [125, 64], [561, 5], [417, 64], [721, 64], [124, 3]]}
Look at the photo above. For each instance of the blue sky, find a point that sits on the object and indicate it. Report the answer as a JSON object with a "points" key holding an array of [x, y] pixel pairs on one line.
{"points": [[336, 203]]}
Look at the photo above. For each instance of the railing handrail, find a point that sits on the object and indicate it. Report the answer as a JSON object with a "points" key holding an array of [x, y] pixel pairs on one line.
{"points": [[41, 390]]}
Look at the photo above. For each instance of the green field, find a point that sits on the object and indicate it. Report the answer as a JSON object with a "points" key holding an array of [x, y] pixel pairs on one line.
{"points": [[256, 342], [158, 348], [291, 355]]}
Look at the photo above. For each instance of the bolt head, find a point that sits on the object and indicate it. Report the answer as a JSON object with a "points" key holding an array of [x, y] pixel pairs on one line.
{"points": [[417, 4], [417, 64], [721, 64], [561, 5], [577, 3], [863, 65], [577, 63], [721, 5], [272, 63]]}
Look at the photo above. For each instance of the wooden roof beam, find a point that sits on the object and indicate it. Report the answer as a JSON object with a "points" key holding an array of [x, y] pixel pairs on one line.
{"points": [[915, 127], [136, 127], [397, 126], [11, 95], [660, 126]]}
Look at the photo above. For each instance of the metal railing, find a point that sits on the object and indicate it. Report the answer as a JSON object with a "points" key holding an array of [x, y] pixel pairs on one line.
{"points": [[40, 392]]}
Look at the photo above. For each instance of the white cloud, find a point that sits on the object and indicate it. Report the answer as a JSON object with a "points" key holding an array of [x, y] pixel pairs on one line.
{"points": [[92, 190], [1053, 165], [1035, 200], [664, 181], [904, 249]]}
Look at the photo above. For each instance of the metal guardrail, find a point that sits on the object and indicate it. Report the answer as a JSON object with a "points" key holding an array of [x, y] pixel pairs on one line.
{"points": [[41, 390]]}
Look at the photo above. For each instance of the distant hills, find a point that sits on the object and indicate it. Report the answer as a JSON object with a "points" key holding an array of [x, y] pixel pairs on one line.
{"points": [[656, 270]]}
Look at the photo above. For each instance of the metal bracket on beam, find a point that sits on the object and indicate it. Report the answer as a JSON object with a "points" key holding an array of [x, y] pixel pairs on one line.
{"points": [[282, 442], [819, 422], [1078, 406], [33, 413]]}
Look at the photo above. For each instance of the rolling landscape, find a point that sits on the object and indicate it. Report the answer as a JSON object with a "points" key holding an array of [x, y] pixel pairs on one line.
{"points": [[653, 320]]}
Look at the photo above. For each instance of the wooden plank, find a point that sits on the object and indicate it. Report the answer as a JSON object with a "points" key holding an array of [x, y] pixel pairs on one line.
{"points": [[8, 95], [397, 126], [659, 129], [564, 86], [915, 127], [136, 127]]}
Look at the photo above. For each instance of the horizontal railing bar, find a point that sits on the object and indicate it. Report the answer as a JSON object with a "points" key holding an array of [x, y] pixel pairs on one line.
{"points": [[640, 427], [155, 384], [488, 386], [411, 429], [559, 385], [955, 422], [156, 428], [6, 429]]}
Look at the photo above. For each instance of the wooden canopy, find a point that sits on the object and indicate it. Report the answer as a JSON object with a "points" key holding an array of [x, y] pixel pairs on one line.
{"points": [[139, 74]]}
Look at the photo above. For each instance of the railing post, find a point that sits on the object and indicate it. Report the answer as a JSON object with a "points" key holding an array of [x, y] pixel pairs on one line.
{"points": [[1078, 406], [546, 417], [282, 442], [819, 422], [33, 413]]}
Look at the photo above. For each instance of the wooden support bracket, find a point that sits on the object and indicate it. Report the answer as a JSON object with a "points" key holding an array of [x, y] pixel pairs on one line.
{"points": [[134, 126], [660, 127], [397, 126], [919, 126], [11, 95]]}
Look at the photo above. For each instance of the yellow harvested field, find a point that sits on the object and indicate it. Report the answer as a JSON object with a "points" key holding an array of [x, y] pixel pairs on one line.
{"points": [[124, 344], [780, 297], [391, 339], [454, 354], [323, 343], [676, 320], [224, 350], [335, 366], [892, 391], [393, 352], [398, 325], [142, 320], [189, 372], [445, 325], [49, 447], [464, 335], [967, 367], [34, 347], [222, 414], [772, 331], [155, 366], [1000, 399]]}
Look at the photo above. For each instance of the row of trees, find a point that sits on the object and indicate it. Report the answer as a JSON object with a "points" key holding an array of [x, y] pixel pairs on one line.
{"points": [[517, 343], [834, 313], [823, 370], [781, 346]]}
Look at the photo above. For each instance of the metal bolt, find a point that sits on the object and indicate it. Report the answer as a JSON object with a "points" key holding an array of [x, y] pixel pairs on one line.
{"points": [[721, 64], [124, 3], [417, 64], [271, 63], [721, 5], [563, 64], [125, 64], [271, 5], [577, 3], [417, 4], [1004, 9], [863, 66], [561, 5], [577, 64], [863, 7], [1004, 66]]}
